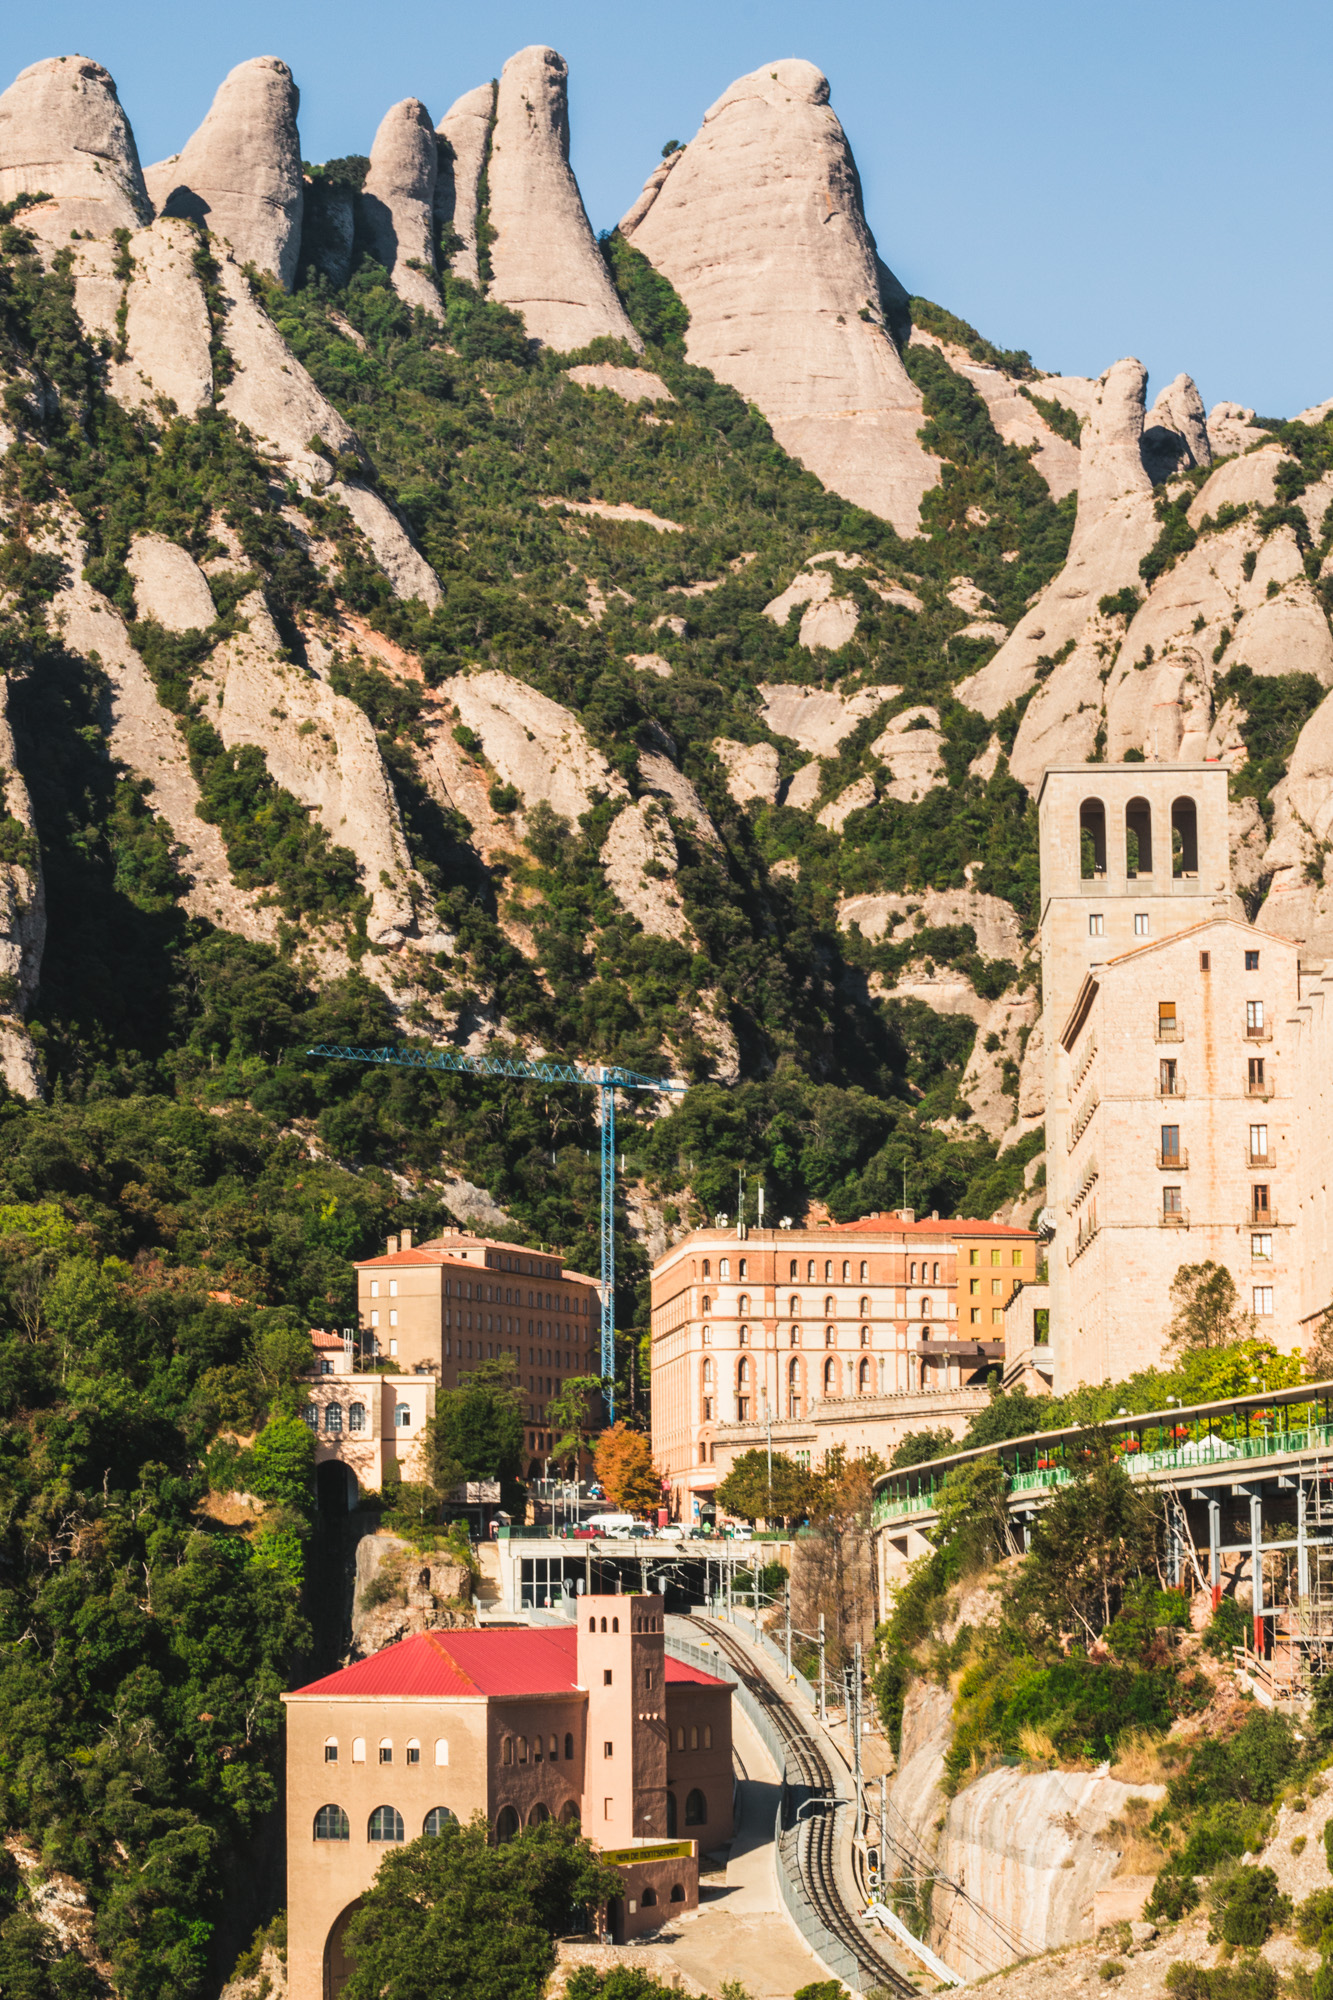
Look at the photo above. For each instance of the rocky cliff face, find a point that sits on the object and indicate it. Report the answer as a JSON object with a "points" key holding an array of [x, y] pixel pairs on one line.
{"points": [[398, 203], [465, 135], [759, 226], [240, 173], [63, 134], [546, 263]]}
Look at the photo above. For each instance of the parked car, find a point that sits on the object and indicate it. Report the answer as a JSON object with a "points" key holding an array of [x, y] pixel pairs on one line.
{"points": [[617, 1526], [670, 1534]]}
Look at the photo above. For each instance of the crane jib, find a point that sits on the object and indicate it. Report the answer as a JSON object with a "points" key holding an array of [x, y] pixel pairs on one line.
{"points": [[606, 1081]]}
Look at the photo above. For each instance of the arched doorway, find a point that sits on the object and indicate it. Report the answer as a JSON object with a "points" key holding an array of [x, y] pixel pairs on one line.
{"points": [[336, 1490], [339, 1964]]}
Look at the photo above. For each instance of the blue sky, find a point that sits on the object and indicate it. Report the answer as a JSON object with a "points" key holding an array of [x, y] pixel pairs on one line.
{"points": [[1083, 181]]}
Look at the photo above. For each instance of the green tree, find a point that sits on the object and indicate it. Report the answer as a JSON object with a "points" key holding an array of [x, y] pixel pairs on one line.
{"points": [[748, 1490], [282, 1463], [1098, 1534], [454, 1915], [477, 1429], [919, 1447], [570, 1415], [1207, 1310]]}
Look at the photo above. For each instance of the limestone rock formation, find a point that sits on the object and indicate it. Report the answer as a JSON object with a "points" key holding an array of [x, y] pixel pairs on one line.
{"points": [[465, 135], [22, 923], [414, 1592], [533, 743], [858, 795], [328, 228], [994, 1107], [1249, 481], [63, 133], [169, 585], [802, 793], [545, 259], [634, 384], [1014, 415], [321, 747], [759, 226], [1299, 903], [1231, 427], [997, 929], [639, 859], [660, 775], [827, 620], [271, 393], [1175, 435], [751, 768], [143, 735], [911, 747], [391, 545], [1054, 646], [240, 173], [819, 719], [162, 347], [397, 205]]}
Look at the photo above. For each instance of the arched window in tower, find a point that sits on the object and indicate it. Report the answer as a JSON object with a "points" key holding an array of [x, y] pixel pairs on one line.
{"points": [[830, 1377], [863, 1380], [830, 1336], [828, 1269], [925, 1308], [846, 1270], [794, 1306], [708, 1303], [743, 1374], [810, 1270], [708, 1374], [1091, 839], [1184, 838], [795, 1340], [865, 1336], [708, 1269], [865, 1308], [743, 1337], [742, 1305], [1138, 838], [865, 1270], [830, 1307]]}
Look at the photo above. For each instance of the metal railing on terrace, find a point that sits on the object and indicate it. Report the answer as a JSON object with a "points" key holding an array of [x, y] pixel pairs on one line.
{"points": [[1277, 1423]]}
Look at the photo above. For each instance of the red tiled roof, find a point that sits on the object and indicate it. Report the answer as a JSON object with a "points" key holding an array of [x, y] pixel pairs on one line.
{"points": [[415, 1256], [960, 1225], [318, 1338], [463, 1665]]}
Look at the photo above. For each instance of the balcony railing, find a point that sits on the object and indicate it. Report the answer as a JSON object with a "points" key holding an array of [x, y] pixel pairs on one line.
{"points": [[1258, 1034], [1173, 1086], [1174, 1162], [1264, 1089], [1268, 1158], [1170, 1031], [1178, 1218], [1261, 1218]]}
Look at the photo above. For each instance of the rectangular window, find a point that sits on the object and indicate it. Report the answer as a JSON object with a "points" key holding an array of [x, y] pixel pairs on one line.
{"points": [[1261, 1246], [1171, 1201], [1096, 926], [974, 1286], [997, 1316], [1140, 923], [1166, 1017], [1254, 1016], [1204, 961], [1166, 1076], [1170, 1142], [974, 1256], [414, 1753], [995, 1256], [374, 1288], [1263, 1300], [606, 1677], [976, 1315], [1256, 1075], [996, 1287], [374, 1319], [393, 1319], [393, 1288], [393, 1349], [1259, 1198], [1016, 1257], [1258, 1142], [1251, 961], [330, 1753], [742, 1409], [607, 1749]]}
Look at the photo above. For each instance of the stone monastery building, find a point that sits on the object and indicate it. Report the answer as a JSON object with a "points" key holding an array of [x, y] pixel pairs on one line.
{"points": [[590, 1722]]}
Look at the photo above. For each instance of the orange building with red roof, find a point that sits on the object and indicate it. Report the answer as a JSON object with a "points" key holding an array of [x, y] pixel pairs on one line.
{"points": [[591, 1722], [840, 1337]]}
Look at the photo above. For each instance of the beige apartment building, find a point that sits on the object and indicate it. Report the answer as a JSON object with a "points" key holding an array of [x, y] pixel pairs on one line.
{"points": [[1175, 1077], [841, 1336], [1310, 1032], [433, 1311]]}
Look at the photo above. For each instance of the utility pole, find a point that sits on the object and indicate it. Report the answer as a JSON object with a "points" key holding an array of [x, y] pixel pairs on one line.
{"points": [[788, 1596], [823, 1702], [854, 1715]]}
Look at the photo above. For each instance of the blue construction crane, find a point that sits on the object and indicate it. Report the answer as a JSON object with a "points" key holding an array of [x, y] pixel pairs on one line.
{"points": [[605, 1080]]}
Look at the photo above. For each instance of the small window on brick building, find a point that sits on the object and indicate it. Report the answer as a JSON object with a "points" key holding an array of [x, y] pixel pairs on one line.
{"points": [[1205, 961], [1096, 926], [606, 1677], [330, 1749], [1251, 961], [608, 1749]]}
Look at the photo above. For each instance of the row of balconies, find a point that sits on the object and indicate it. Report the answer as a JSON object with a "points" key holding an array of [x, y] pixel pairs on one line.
{"points": [[1173, 1031], [1178, 1162], [1177, 1086]]}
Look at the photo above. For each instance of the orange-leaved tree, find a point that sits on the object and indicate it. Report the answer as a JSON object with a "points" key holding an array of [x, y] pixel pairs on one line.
{"points": [[624, 1463]]}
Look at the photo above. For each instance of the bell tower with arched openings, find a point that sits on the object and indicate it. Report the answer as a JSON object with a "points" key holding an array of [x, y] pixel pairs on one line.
{"points": [[1131, 854], [1128, 852]]}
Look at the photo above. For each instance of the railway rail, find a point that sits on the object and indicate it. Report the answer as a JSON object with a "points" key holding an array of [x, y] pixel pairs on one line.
{"points": [[810, 1803]]}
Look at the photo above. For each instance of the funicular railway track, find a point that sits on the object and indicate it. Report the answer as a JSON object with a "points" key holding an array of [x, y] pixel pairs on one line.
{"points": [[810, 1833]]}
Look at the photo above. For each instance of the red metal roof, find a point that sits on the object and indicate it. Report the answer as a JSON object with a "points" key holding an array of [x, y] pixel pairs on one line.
{"points": [[959, 1226], [463, 1665]]}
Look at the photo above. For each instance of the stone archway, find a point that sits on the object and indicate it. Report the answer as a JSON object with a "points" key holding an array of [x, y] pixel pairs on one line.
{"points": [[338, 1961], [336, 1488]]}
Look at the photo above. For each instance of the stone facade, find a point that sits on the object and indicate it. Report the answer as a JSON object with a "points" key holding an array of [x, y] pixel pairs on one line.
{"points": [[1168, 1079], [842, 1335], [1310, 1036], [593, 1724]]}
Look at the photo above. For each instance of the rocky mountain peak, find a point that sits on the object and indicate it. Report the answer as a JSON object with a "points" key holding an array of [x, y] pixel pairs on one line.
{"points": [[398, 202], [240, 173], [63, 133]]}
